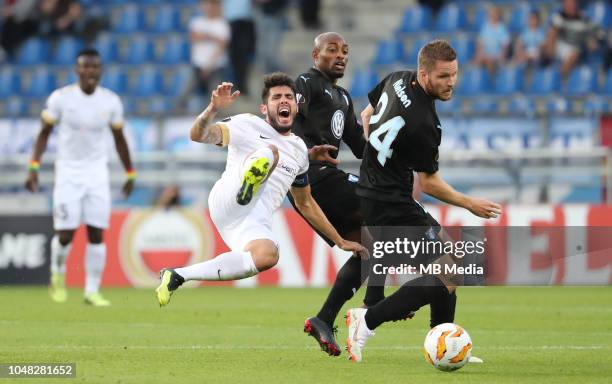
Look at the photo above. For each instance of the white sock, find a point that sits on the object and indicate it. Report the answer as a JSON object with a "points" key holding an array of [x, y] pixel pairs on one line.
{"points": [[227, 266], [95, 259], [59, 254]]}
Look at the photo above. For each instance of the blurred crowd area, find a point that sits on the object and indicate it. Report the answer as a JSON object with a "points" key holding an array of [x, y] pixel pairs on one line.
{"points": [[159, 54]]}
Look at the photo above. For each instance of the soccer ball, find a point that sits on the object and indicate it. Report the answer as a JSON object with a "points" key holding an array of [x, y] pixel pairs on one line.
{"points": [[447, 347]]}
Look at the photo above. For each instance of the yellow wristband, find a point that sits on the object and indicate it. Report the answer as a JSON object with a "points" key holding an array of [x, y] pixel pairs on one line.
{"points": [[131, 174], [34, 166]]}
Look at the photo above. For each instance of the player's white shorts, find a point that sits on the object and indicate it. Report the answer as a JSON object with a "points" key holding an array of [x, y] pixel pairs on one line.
{"points": [[81, 197], [239, 224]]}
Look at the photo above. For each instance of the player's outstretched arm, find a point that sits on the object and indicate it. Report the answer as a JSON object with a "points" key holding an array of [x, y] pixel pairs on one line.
{"points": [[202, 130], [312, 212], [31, 183], [433, 185]]}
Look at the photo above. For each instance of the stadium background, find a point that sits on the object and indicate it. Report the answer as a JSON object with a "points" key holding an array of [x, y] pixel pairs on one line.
{"points": [[525, 137]]}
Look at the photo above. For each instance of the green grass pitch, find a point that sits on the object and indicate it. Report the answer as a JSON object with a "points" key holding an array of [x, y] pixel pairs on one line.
{"points": [[228, 335]]}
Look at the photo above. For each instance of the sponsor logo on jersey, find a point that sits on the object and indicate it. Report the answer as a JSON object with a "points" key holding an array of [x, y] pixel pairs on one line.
{"points": [[288, 169], [400, 91], [155, 239], [337, 124]]}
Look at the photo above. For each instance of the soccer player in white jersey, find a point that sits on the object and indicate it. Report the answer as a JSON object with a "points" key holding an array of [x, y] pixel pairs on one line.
{"points": [[264, 161], [83, 114]]}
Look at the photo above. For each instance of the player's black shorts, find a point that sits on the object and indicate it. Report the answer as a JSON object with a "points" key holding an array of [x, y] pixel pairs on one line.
{"points": [[334, 191]]}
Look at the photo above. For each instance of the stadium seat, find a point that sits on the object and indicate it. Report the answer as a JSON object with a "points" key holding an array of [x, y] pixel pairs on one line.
{"points": [[107, 47], [416, 19], [450, 18], [545, 81], [128, 19], [38, 82], [480, 17], [600, 13], [473, 81], [389, 52], [411, 57], [173, 50], [519, 16], [64, 76], [363, 82], [449, 107], [582, 80], [15, 106], [465, 46], [114, 78], [522, 106], [147, 82], [138, 50], [508, 80], [484, 105], [177, 82], [607, 87], [33, 51], [162, 19], [557, 105], [66, 50], [9, 81]]}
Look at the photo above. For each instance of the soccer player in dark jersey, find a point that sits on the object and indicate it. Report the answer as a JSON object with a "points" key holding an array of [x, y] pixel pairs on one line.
{"points": [[404, 134], [325, 118]]}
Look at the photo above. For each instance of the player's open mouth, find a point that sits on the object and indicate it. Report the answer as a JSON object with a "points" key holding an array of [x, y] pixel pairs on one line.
{"points": [[284, 112], [339, 65]]}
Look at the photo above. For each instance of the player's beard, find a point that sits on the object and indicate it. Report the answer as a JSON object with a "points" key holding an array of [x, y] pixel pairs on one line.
{"points": [[274, 123]]}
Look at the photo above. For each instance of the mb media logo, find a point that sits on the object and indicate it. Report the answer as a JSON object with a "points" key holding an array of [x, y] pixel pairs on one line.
{"points": [[155, 239]]}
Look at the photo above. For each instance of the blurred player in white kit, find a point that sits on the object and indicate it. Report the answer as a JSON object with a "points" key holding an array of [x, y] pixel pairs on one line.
{"points": [[264, 161], [83, 113]]}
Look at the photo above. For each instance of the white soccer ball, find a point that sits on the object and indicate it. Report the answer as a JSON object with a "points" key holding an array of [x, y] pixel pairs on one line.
{"points": [[447, 347]]}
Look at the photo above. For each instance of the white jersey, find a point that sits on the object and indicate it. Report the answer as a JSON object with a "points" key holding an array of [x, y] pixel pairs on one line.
{"points": [[82, 122], [247, 133]]}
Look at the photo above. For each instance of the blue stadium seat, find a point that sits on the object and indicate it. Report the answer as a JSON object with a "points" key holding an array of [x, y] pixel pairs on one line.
{"points": [[163, 19], [38, 82], [363, 82], [416, 19], [450, 18], [138, 50], [480, 17], [522, 105], [581, 81], [66, 51], [9, 81], [33, 51], [484, 105], [448, 107], [64, 76], [107, 47], [557, 105], [128, 19], [600, 12], [508, 80], [177, 82], [545, 81], [411, 57], [473, 81], [114, 78], [465, 46], [148, 82], [607, 87], [16, 106], [389, 52], [519, 16], [173, 50]]}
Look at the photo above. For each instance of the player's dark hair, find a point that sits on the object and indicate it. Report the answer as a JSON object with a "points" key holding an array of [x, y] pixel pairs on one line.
{"points": [[276, 79], [88, 52], [436, 50]]}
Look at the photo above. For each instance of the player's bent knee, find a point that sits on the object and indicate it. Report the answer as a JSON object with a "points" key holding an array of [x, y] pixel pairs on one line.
{"points": [[264, 253], [65, 237]]}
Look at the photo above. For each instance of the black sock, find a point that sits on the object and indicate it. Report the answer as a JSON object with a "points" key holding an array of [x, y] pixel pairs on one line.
{"points": [[410, 297], [348, 281], [443, 309], [375, 292]]}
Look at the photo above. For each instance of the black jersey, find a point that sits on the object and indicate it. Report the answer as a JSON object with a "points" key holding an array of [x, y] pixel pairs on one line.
{"points": [[326, 114], [404, 136]]}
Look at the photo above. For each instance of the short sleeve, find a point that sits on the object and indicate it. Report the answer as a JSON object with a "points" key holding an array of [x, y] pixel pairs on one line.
{"points": [[303, 95], [235, 129], [116, 118], [301, 180], [374, 94], [52, 112], [428, 162]]}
